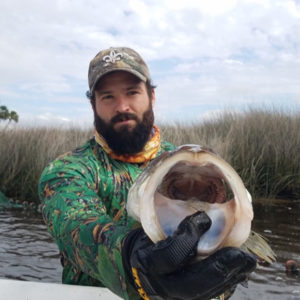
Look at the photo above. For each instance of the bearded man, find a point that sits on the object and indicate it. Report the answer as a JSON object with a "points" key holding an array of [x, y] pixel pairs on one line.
{"points": [[84, 195]]}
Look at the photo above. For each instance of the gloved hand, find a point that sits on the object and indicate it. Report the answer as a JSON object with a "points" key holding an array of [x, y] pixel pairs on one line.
{"points": [[164, 270]]}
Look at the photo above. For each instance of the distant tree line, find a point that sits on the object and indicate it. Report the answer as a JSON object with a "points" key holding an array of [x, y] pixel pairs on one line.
{"points": [[5, 114]]}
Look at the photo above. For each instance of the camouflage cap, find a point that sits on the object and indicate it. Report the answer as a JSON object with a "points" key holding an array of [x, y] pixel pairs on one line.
{"points": [[116, 59]]}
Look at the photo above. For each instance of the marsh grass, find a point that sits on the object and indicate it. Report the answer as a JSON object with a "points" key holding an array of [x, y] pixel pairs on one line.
{"points": [[24, 153], [262, 146]]}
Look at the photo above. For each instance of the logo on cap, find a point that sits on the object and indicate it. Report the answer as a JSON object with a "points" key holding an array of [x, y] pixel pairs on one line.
{"points": [[112, 57]]}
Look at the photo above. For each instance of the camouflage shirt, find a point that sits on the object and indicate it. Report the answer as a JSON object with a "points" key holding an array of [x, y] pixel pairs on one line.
{"points": [[83, 196]]}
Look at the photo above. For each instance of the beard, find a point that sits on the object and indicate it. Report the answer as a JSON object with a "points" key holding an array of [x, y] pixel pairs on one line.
{"points": [[124, 140]]}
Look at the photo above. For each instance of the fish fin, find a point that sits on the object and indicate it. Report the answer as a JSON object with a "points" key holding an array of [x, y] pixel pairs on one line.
{"points": [[258, 245]]}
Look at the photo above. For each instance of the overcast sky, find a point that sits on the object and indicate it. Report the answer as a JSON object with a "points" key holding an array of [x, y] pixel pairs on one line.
{"points": [[204, 55]]}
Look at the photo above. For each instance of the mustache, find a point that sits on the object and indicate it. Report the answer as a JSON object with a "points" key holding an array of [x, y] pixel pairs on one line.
{"points": [[124, 117]]}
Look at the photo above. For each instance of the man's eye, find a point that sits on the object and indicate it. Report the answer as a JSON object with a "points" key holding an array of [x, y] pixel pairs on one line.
{"points": [[133, 92], [107, 97]]}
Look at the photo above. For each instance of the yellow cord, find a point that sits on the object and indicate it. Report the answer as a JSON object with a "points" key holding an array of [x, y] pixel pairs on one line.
{"points": [[138, 283], [143, 293]]}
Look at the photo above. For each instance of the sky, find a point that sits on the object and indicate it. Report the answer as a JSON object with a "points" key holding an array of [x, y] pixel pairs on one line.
{"points": [[204, 56]]}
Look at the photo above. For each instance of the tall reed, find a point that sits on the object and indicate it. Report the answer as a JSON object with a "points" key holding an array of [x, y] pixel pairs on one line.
{"points": [[24, 153], [263, 147]]}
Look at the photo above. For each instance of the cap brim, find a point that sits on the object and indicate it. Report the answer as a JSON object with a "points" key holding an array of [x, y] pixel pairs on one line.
{"points": [[134, 72]]}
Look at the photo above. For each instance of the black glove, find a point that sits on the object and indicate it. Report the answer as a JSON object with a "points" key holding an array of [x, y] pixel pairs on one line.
{"points": [[167, 269]]}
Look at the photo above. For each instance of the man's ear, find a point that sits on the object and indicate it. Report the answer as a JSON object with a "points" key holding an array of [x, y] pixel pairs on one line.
{"points": [[92, 101], [153, 97]]}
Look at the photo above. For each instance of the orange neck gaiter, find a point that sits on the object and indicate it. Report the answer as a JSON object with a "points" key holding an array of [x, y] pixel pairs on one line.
{"points": [[149, 151]]}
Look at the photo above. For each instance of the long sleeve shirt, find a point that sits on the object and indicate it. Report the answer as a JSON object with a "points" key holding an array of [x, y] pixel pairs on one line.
{"points": [[83, 195]]}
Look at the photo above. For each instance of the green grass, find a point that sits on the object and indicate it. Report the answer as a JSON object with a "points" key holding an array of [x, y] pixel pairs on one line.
{"points": [[24, 153], [262, 146]]}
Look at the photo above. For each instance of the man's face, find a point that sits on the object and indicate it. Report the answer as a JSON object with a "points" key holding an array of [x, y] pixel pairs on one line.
{"points": [[123, 112]]}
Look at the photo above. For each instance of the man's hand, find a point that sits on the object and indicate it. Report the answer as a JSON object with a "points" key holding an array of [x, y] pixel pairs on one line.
{"points": [[164, 270]]}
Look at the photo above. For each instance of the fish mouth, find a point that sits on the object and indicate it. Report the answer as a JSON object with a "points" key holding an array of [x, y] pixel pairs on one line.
{"points": [[187, 180], [189, 187]]}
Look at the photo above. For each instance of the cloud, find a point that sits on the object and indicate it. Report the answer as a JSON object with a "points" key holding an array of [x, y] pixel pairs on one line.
{"points": [[209, 53], [52, 118]]}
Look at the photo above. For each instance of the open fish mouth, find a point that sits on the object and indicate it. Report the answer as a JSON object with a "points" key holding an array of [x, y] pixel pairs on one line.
{"points": [[190, 179]]}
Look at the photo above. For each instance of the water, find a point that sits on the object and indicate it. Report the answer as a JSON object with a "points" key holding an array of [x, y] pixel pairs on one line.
{"points": [[27, 251], [279, 222]]}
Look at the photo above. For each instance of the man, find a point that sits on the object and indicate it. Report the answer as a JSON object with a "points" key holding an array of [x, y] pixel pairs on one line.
{"points": [[84, 193]]}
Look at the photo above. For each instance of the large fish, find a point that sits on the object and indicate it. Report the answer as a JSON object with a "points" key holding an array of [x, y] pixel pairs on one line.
{"points": [[193, 178]]}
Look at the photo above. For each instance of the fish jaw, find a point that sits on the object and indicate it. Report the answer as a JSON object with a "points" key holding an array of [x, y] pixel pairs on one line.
{"points": [[222, 217], [136, 192], [171, 212], [241, 231], [160, 216]]}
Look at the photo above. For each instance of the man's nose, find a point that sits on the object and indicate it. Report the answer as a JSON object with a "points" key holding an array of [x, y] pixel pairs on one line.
{"points": [[122, 104]]}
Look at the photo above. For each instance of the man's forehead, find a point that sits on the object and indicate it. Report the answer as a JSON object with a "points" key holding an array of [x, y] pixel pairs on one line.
{"points": [[118, 77]]}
